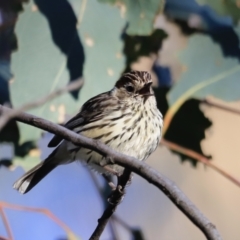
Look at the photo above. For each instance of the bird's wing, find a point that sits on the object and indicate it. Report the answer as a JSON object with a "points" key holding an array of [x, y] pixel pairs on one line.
{"points": [[91, 111], [71, 124]]}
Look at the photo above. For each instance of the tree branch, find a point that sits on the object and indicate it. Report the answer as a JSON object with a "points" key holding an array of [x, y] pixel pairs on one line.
{"points": [[115, 199], [141, 168], [3, 238], [101, 195], [6, 224], [46, 212], [200, 158], [220, 106]]}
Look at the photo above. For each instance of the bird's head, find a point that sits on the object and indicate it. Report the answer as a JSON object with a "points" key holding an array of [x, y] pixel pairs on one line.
{"points": [[134, 84]]}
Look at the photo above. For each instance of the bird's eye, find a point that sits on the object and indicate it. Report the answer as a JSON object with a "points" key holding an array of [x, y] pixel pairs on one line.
{"points": [[129, 88]]}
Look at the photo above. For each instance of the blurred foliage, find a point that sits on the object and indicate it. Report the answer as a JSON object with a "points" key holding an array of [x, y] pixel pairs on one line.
{"points": [[188, 128], [9, 10], [139, 14], [65, 35], [12, 5], [27, 162], [212, 75], [139, 46], [226, 8], [218, 32], [10, 133], [137, 234], [45, 61], [47, 213], [197, 23], [47, 71], [42, 67]]}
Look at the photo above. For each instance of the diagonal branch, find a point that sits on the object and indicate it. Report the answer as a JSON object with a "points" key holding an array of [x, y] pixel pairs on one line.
{"points": [[72, 86], [115, 199], [220, 106], [161, 182], [200, 158], [6, 224], [101, 195], [44, 211], [3, 238]]}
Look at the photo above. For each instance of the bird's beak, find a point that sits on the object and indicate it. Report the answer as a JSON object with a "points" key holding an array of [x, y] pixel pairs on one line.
{"points": [[145, 91]]}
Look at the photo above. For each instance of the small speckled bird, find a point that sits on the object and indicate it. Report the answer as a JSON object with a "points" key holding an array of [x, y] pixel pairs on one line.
{"points": [[126, 119]]}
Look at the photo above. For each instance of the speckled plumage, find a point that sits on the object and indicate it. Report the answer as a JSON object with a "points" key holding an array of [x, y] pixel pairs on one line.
{"points": [[125, 118]]}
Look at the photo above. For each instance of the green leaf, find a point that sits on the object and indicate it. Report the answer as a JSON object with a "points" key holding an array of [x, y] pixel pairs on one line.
{"points": [[140, 14], [39, 66], [225, 8], [27, 162], [208, 72]]}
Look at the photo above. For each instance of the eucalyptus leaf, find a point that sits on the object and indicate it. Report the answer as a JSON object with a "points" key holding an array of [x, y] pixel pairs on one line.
{"points": [[226, 8], [208, 72], [27, 162], [39, 66], [139, 14]]}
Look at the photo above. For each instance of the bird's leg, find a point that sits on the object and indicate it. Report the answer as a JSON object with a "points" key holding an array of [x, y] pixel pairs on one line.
{"points": [[106, 163], [109, 181], [111, 171], [129, 180], [118, 195]]}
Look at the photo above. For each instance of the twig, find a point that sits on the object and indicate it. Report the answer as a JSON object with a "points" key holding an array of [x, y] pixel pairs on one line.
{"points": [[220, 106], [114, 218], [81, 13], [39, 210], [190, 93], [101, 195], [4, 118], [115, 198], [3, 238], [200, 158], [164, 184], [6, 224]]}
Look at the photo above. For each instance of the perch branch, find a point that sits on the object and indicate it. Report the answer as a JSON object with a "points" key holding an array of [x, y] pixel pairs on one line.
{"points": [[200, 158], [164, 184], [4, 118]]}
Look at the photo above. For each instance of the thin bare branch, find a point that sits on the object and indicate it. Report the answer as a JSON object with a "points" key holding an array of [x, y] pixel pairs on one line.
{"points": [[141, 168], [200, 158], [220, 106], [46, 212], [4, 118], [6, 224], [3, 238], [101, 195], [114, 200]]}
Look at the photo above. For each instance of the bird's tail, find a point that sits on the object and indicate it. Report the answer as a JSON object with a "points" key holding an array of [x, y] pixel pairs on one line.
{"points": [[34, 176]]}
